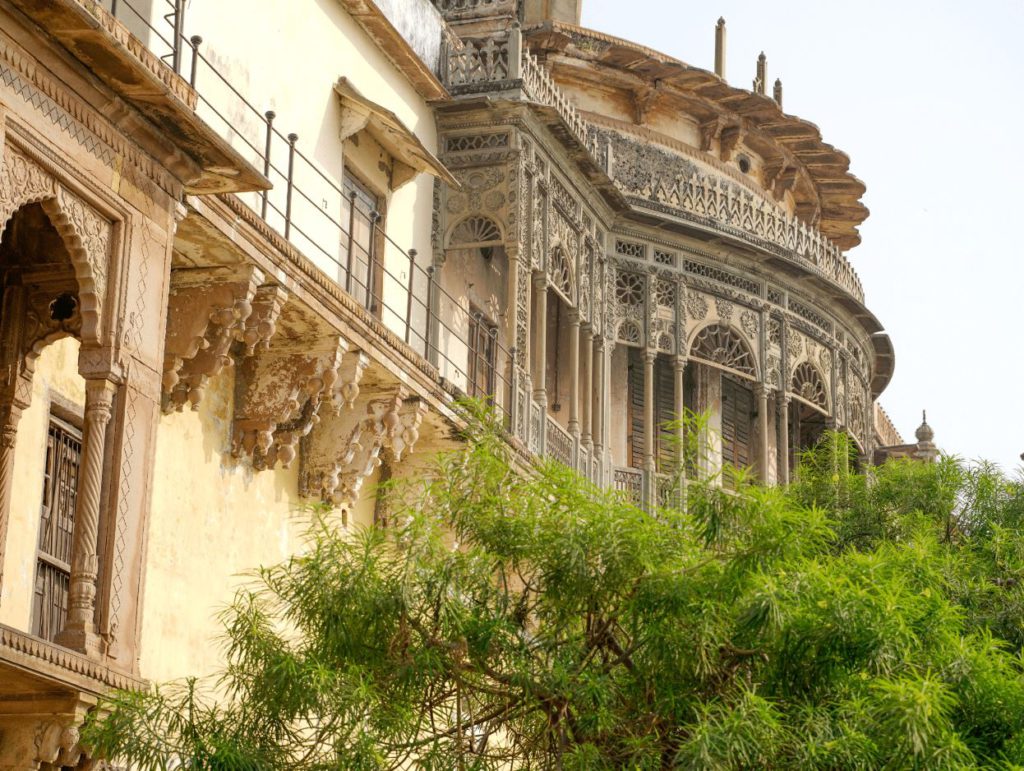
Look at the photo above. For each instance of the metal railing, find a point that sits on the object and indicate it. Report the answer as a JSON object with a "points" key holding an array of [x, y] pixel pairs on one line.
{"points": [[384, 277]]}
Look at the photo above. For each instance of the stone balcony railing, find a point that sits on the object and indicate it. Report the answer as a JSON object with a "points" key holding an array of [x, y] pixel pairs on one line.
{"points": [[500, 63]]}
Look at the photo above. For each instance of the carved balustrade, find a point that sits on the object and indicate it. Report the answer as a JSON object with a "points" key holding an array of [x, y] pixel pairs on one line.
{"points": [[558, 443], [629, 481]]}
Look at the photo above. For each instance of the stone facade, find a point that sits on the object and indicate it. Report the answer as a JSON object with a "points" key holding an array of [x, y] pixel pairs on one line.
{"points": [[214, 312]]}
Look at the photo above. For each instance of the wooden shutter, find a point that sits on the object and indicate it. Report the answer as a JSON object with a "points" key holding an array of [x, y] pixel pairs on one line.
{"points": [[665, 412], [737, 407], [635, 376]]}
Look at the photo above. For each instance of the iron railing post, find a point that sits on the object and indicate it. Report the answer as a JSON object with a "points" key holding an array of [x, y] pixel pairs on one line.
{"points": [[269, 115], [196, 41], [292, 139], [408, 299], [179, 31]]}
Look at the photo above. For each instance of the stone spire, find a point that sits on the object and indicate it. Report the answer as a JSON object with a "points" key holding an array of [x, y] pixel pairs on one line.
{"points": [[720, 48], [761, 81], [777, 92]]}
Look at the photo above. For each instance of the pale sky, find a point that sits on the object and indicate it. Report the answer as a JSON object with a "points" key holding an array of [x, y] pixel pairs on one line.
{"points": [[926, 99]]}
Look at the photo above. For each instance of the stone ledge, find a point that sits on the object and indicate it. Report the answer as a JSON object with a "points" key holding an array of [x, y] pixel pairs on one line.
{"points": [[66, 667]]}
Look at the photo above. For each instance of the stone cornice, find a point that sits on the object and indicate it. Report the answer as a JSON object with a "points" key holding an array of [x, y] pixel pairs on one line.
{"points": [[837, 190], [61, 665], [151, 102], [376, 25]]}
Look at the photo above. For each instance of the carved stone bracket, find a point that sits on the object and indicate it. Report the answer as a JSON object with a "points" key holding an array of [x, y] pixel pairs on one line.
{"points": [[348, 447], [278, 395], [207, 311], [45, 742]]}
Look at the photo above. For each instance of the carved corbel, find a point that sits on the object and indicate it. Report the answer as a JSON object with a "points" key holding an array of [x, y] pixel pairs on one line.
{"points": [[779, 176], [261, 325], [729, 140], [710, 131], [278, 395], [206, 313], [351, 372], [345, 449], [411, 418]]}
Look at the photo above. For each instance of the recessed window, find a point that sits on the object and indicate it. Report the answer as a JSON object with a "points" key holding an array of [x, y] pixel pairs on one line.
{"points": [[56, 529], [483, 349], [362, 220]]}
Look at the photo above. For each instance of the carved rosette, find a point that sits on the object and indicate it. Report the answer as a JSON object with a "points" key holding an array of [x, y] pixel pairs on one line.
{"points": [[208, 310], [278, 395]]}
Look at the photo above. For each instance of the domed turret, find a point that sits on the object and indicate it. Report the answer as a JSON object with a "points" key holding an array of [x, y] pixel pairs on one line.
{"points": [[924, 432]]}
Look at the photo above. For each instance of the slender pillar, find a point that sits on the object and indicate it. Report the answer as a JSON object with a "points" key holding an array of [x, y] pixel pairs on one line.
{"points": [[79, 632], [574, 373], [540, 333], [650, 428], [762, 426], [794, 442], [587, 400], [10, 414], [784, 438], [680, 409], [600, 403]]}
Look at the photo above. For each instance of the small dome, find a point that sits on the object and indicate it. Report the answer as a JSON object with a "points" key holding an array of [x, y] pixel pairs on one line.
{"points": [[924, 432]]}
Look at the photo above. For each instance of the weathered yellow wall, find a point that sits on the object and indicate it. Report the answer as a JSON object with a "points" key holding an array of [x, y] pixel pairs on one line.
{"points": [[213, 519], [56, 379]]}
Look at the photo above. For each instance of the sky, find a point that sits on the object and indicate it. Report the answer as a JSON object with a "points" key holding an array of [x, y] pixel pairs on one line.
{"points": [[926, 99]]}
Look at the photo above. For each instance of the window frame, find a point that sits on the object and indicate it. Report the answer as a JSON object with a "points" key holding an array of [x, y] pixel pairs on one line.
{"points": [[42, 603], [354, 187], [480, 327]]}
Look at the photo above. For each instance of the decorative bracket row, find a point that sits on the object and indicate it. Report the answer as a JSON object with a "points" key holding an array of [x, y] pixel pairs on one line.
{"points": [[347, 447]]}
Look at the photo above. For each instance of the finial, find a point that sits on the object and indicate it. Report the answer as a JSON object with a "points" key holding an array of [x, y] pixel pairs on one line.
{"points": [[924, 432], [720, 48], [777, 92]]}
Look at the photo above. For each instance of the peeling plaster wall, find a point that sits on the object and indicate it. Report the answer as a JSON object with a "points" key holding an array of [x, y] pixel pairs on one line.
{"points": [[56, 379], [213, 519]]}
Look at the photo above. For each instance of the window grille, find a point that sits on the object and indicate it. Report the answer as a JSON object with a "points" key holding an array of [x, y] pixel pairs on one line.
{"points": [[56, 529]]}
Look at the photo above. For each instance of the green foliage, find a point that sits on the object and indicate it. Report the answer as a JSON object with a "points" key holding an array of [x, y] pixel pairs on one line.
{"points": [[851, 621]]}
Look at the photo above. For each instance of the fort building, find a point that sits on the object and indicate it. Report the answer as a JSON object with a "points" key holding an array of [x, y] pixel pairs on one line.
{"points": [[252, 252]]}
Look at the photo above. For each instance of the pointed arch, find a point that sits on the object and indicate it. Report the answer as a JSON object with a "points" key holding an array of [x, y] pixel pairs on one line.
{"points": [[723, 346], [560, 271], [86, 234]]}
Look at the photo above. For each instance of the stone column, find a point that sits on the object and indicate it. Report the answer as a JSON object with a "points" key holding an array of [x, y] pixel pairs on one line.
{"points": [[540, 334], [680, 405], [794, 442], [79, 632], [784, 439], [599, 399], [574, 374], [10, 414], [650, 428], [761, 390], [587, 399]]}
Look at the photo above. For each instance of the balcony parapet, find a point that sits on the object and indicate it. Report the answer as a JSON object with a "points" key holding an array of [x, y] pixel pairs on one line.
{"points": [[500, 63], [653, 178]]}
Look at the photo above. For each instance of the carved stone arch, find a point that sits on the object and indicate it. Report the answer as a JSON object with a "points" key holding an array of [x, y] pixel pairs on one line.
{"points": [[476, 230], [87, 236], [560, 271], [808, 384], [721, 345], [85, 233], [629, 332]]}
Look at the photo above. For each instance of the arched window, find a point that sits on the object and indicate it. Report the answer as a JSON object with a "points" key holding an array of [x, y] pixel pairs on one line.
{"points": [[809, 385], [719, 344], [475, 231]]}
